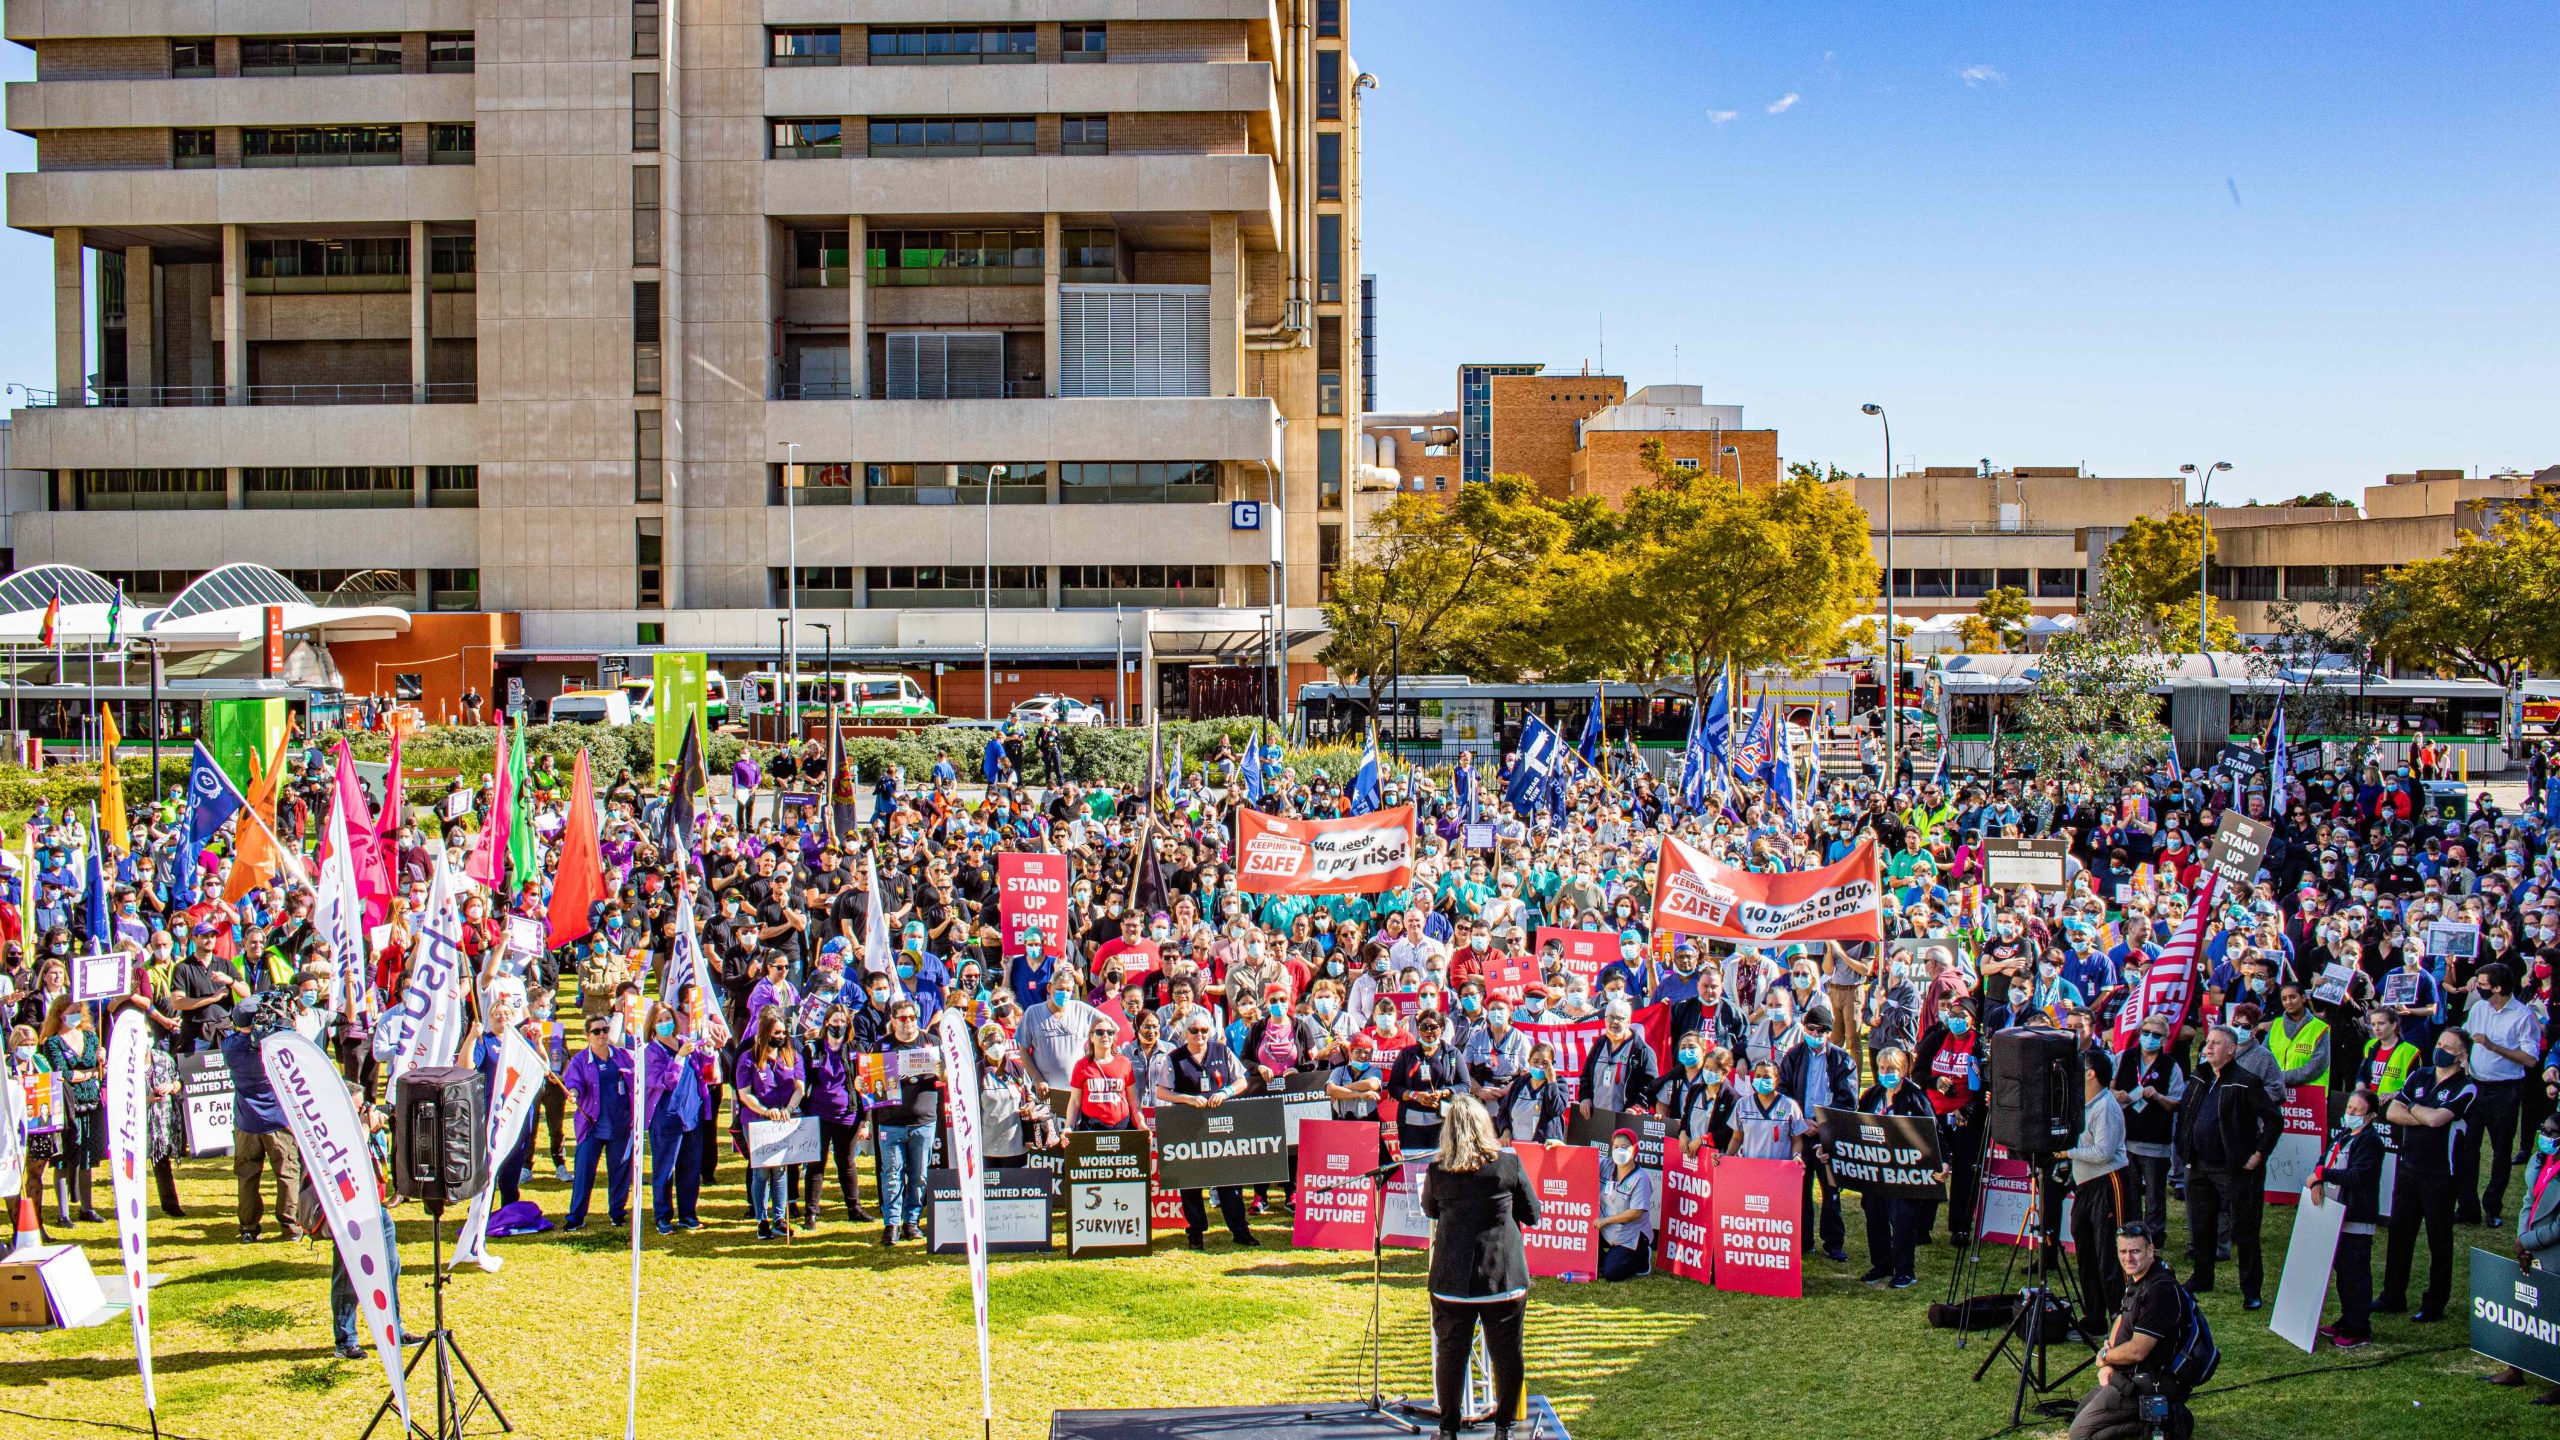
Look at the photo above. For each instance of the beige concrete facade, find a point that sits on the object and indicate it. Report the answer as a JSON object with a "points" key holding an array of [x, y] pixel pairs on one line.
{"points": [[616, 263]]}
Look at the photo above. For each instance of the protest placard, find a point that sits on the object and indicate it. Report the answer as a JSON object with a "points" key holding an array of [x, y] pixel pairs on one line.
{"points": [[204, 1103], [1405, 1227], [2297, 1152], [45, 1103], [101, 977], [1885, 1154], [1688, 1229], [1335, 1201], [783, 1142], [1302, 1099], [1019, 1202], [1759, 1207], [1242, 1142], [1585, 951], [1507, 977], [2515, 1313], [1031, 890], [2453, 939], [1107, 1191], [2025, 862], [1565, 1243], [2303, 1287]]}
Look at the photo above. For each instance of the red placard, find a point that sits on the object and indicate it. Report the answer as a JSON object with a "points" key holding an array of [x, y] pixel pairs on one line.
{"points": [[1573, 1041], [274, 640], [1759, 1210], [1164, 1207], [1336, 1203], [1565, 1243], [1031, 890], [1688, 1247], [2297, 1152], [1694, 895], [1507, 977], [1585, 951], [1358, 855]]}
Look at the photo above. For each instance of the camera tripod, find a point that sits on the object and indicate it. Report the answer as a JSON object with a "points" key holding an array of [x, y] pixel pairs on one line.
{"points": [[453, 1409], [2049, 1283]]}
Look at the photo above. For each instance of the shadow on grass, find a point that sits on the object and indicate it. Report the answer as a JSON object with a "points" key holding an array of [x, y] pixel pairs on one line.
{"points": [[120, 1367]]}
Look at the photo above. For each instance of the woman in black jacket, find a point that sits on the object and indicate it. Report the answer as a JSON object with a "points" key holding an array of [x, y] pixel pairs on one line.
{"points": [[2353, 1168], [1478, 1198], [1893, 1221], [1535, 1100]]}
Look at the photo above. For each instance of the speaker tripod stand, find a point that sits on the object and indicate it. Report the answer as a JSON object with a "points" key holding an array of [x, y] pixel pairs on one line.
{"points": [[2050, 1283], [453, 1409]]}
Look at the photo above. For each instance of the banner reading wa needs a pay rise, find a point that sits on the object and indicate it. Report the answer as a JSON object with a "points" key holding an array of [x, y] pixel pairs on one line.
{"points": [[1358, 855]]}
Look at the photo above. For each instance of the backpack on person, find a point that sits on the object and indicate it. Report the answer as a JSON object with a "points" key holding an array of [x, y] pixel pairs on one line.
{"points": [[2197, 1357]]}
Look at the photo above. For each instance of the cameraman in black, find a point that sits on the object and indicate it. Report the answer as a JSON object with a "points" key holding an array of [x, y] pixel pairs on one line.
{"points": [[2134, 1364]]}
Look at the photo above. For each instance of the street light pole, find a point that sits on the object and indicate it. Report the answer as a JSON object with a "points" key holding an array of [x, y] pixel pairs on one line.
{"points": [[2204, 549], [791, 591], [1395, 673], [1736, 452], [1892, 669], [827, 667], [987, 616]]}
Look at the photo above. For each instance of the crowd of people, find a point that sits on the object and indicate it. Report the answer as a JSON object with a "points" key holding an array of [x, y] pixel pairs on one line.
{"points": [[835, 945]]}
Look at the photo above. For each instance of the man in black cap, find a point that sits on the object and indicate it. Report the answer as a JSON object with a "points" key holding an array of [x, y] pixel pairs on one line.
{"points": [[1815, 1074]]}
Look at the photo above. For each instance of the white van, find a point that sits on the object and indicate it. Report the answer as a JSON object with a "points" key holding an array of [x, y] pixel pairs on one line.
{"points": [[591, 707]]}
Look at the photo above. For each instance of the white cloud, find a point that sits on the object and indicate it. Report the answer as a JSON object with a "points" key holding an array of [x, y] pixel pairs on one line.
{"points": [[1977, 76], [1784, 103], [1718, 117]]}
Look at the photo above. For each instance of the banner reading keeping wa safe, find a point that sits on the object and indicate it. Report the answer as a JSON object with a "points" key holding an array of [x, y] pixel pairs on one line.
{"points": [[1359, 855], [1693, 895]]}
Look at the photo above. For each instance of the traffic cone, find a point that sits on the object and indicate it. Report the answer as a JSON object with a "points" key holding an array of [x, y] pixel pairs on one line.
{"points": [[30, 1231]]}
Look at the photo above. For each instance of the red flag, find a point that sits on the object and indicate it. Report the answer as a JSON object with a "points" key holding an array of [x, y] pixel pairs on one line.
{"points": [[52, 618], [580, 883], [487, 862], [2170, 987]]}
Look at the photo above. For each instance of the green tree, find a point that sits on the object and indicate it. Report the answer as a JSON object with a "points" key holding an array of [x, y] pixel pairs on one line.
{"points": [[2490, 606], [2176, 627], [2004, 614], [1454, 579], [2091, 710], [2153, 563]]}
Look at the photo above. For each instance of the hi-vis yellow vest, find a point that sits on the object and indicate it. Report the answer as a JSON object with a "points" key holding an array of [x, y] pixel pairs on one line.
{"points": [[2296, 1049]]}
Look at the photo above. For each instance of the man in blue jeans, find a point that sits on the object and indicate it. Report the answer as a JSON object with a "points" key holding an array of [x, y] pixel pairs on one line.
{"points": [[907, 1117], [598, 1078]]}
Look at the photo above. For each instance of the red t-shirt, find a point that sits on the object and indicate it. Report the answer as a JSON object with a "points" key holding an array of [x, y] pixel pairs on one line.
{"points": [[1102, 1090], [1953, 1060]]}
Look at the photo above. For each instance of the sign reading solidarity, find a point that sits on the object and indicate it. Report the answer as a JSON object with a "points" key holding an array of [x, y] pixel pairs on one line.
{"points": [[1031, 892], [1107, 1192], [2515, 1314], [1243, 1142], [1336, 1200], [1881, 1154], [1688, 1214], [1759, 1208], [1358, 855], [1565, 1243], [1693, 895]]}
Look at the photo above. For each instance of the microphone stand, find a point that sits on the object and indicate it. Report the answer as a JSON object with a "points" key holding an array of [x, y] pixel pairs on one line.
{"points": [[1374, 1407]]}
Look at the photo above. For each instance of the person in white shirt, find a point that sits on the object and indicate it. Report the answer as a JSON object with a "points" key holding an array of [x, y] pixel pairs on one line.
{"points": [[1052, 1033], [2506, 1037], [2098, 1199], [1414, 950]]}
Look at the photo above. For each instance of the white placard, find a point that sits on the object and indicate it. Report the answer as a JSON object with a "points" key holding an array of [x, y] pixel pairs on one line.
{"points": [[101, 977], [2303, 1289], [783, 1142]]}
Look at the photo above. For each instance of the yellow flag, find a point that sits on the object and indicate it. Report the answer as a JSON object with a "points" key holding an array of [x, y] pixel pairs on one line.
{"points": [[110, 789]]}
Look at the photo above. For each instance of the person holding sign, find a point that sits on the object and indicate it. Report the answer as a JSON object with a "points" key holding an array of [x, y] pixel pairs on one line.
{"points": [[1200, 1073], [1626, 1212], [1696, 1099], [770, 1081], [2353, 1167], [2538, 1231], [1893, 1221], [1477, 1198], [677, 1103], [907, 1117]]}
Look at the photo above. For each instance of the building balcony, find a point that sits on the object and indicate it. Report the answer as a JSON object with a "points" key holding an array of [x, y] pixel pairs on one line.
{"points": [[62, 19], [1117, 89], [142, 539], [1247, 185], [101, 104], [1260, 17], [1237, 428], [178, 437], [327, 196]]}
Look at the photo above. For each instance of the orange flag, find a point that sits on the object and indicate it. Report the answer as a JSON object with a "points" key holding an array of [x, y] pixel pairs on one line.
{"points": [[256, 852]]}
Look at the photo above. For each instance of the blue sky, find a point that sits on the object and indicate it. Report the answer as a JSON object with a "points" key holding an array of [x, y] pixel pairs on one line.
{"points": [[2315, 240]]}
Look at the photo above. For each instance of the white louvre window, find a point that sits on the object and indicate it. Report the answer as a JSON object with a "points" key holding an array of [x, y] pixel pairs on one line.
{"points": [[1133, 339], [925, 365]]}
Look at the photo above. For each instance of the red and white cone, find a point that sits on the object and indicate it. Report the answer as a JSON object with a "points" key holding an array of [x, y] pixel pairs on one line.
{"points": [[30, 1233]]}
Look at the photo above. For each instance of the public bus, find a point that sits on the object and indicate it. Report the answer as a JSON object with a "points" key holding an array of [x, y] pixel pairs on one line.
{"points": [[1978, 701], [1434, 717], [857, 693]]}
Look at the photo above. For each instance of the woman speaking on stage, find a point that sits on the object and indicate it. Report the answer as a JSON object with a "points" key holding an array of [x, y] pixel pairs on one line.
{"points": [[1477, 1198]]}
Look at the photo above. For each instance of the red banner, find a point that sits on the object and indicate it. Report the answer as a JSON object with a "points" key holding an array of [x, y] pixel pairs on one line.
{"points": [[1759, 1210], [1336, 1203], [1573, 1042], [2297, 1152], [1164, 1207], [1688, 1245], [1031, 890], [1507, 977], [1585, 951], [1359, 855], [2170, 987], [1565, 1243], [1693, 895]]}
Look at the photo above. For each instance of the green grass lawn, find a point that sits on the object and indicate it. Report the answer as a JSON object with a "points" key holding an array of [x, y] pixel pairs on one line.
{"points": [[834, 1336]]}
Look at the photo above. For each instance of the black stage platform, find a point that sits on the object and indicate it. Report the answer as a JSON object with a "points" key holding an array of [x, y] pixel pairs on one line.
{"points": [[1265, 1422]]}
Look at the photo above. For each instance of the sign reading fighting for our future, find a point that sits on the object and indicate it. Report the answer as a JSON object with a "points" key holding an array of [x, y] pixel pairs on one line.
{"points": [[1336, 1202], [1759, 1209], [1565, 1243], [1243, 1142], [1883, 1154], [1107, 1188]]}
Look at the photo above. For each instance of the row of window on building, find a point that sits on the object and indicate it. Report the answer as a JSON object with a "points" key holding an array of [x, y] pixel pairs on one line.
{"points": [[302, 487], [446, 589], [906, 587], [265, 147]]}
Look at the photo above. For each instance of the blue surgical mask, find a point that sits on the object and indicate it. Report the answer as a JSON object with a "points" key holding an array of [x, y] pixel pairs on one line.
{"points": [[2151, 1041], [1890, 1079], [666, 1027], [2546, 1145], [1958, 1024], [1763, 1085]]}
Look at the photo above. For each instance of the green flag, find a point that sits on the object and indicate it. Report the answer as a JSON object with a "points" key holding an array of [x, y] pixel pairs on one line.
{"points": [[524, 864]]}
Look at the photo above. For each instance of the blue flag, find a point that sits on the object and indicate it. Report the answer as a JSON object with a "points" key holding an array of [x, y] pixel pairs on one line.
{"points": [[102, 925], [1540, 765], [2279, 767], [1252, 775], [1590, 746], [211, 800], [1364, 785], [1695, 762], [1718, 733], [1462, 787], [1780, 772]]}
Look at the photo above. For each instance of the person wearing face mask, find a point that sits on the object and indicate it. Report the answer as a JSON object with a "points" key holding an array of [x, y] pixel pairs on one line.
{"points": [[2151, 1085], [1894, 1222], [2537, 1229], [598, 1079], [2350, 1174], [1626, 1211], [1355, 1085], [677, 1105], [1494, 1053], [1203, 1075], [2434, 1115], [1894, 1007], [2506, 1042], [1948, 1064], [1031, 972], [1767, 1125], [1531, 1109], [71, 1051]]}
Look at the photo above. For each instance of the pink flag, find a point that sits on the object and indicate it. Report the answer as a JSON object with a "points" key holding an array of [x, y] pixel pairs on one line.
{"points": [[488, 862], [372, 864], [394, 804]]}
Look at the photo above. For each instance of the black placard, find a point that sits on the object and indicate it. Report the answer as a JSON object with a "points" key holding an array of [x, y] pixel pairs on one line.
{"points": [[1019, 1204], [1242, 1142], [2515, 1313], [1886, 1154]]}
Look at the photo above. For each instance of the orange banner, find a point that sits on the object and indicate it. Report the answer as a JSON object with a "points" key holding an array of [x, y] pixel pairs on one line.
{"points": [[1693, 895], [1359, 855]]}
